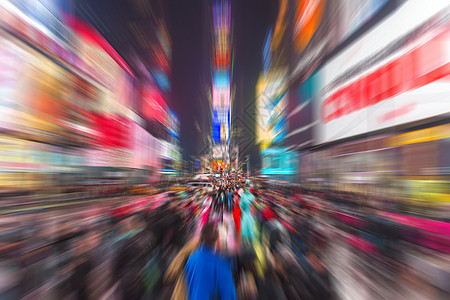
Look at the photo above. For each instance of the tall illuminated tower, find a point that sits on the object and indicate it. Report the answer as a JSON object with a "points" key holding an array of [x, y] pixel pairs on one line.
{"points": [[221, 72]]}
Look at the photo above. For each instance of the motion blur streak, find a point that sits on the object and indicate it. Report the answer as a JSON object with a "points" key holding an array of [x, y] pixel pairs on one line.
{"points": [[224, 149]]}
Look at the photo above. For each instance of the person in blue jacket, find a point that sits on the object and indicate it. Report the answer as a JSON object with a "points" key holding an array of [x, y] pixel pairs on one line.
{"points": [[208, 275]]}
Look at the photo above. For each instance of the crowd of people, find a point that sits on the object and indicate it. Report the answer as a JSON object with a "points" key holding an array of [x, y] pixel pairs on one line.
{"points": [[236, 241]]}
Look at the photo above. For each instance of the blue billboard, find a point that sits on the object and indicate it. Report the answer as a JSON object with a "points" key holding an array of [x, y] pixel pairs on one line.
{"points": [[221, 126], [216, 128], [221, 79], [173, 124], [279, 161]]}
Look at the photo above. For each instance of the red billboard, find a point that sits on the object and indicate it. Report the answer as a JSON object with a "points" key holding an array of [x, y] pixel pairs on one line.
{"points": [[112, 131], [153, 105]]}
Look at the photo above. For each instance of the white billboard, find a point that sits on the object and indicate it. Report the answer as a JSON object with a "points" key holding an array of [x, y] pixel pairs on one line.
{"points": [[395, 74]]}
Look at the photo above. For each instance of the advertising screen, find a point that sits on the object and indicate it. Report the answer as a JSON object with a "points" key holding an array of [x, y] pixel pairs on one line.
{"points": [[168, 151], [301, 99], [112, 131], [221, 126], [271, 108], [215, 127], [266, 54], [219, 151], [137, 139], [154, 106], [221, 79], [173, 123], [124, 90], [161, 80], [11, 66], [320, 26], [396, 73], [278, 161], [221, 98]]}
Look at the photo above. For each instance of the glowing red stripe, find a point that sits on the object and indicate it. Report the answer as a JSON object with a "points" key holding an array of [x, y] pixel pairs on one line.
{"points": [[88, 32], [415, 69]]}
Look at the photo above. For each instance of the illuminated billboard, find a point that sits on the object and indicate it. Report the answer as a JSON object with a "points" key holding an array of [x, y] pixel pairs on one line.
{"points": [[154, 106], [319, 26], [308, 16], [221, 79], [12, 64], [221, 62], [266, 53], [173, 123], [390, 76], [221, 16], [301, 99], [278, 161], [221, 126], [221, 98], [271, 108], [161, 80], [215, 127]]}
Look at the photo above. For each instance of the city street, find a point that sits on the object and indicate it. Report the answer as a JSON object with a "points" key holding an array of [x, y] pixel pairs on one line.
{"points": [[224, 149]]}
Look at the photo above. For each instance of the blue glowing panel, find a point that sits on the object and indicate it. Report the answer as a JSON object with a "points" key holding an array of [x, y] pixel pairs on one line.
{"points": [[221, 126], [221, 79], [309, 88], [216, 127], [279, 161], [161, 80], [173, 123], [267, 58], [229, 122]]}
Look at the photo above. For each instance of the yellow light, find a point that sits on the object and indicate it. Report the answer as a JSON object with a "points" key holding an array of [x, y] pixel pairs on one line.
{"points": [[420, 136]]}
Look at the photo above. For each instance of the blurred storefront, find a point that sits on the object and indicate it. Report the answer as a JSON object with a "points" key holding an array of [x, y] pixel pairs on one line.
{"points": [[71, 107], [42, 123], [425, 166], [66, 103], [413, 165]]}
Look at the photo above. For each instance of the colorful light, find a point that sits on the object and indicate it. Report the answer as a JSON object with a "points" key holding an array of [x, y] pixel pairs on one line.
{"points": [[221, 61]]}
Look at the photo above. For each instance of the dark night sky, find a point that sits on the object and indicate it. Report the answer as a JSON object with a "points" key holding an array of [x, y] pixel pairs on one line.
{"points": [[250, 21], [189, 25]]}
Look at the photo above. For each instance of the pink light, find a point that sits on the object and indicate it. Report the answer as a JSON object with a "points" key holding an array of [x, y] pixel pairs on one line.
{"points": [[88, 32]]}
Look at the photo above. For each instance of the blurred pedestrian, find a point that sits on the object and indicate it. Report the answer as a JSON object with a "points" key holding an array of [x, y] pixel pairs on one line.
{"points": [[247, 218], [319, 279], [82, 267], [208, 274], [230, 200], [237, 216], [175, 271], [133, 255]]}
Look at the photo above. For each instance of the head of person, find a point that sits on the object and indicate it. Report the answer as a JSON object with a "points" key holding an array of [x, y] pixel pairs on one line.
{"points": [[209, 234], [315, 260], [135, 222]]}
